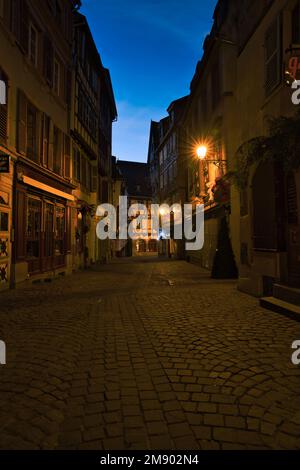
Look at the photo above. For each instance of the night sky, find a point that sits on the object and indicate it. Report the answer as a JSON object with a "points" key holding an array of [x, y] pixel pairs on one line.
{"points": [[151, 48]]}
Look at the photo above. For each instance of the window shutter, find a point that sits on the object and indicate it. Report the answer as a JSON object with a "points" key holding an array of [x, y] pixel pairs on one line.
{"points": [[21, 225], [273, 56], [57, 151], [39, 135], [68, 87], [50, 154], [45, 136], [292, 206], [296, 24], [41, 147], [22, 122], [48, 60], [83, 171], [15, 18], [24, 26], [67, 155], [94, 182]]}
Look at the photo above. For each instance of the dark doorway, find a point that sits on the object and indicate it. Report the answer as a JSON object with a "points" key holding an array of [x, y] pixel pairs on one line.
{"points": [[293, 232]]}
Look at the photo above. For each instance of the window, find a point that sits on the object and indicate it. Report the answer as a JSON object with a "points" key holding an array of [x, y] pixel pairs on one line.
{"points": [[19, 16], [3, 222], [264, 208], [33, 45], [56, 77], [86, 114], [273, 56], [58, 12], [296, 24], [48, 61], [31, 132]]}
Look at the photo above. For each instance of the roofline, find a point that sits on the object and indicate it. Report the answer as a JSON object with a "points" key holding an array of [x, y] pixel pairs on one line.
{"points": [[173, 103], [111, 92]]}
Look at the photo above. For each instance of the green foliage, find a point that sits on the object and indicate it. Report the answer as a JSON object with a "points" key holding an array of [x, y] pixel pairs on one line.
{"points": [[282, 145]]}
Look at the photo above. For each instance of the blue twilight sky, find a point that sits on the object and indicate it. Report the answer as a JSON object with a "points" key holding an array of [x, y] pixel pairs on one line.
{"points": [[151, 48]]}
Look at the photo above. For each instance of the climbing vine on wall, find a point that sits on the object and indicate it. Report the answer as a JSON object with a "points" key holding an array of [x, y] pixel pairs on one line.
{"points": [[282, 145]]}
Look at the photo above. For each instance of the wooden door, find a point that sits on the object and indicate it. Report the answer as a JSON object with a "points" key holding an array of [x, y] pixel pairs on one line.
{"points": [[48, 255], [293, 235]]}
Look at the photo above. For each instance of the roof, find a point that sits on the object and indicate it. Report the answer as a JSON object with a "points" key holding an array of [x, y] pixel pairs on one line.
{"points": [[109, 87], [178, 104], [137, 177], [154, 136]]}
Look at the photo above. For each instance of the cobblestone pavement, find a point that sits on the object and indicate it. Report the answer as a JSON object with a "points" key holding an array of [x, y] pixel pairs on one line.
{"points": [[145, 355]]}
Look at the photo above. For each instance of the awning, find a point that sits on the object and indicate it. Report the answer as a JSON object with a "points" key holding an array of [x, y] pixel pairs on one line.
{"points": [[48, 189]]}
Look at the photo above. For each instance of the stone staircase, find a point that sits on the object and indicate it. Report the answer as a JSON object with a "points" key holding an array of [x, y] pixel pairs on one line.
{"points": [[285, 300]]}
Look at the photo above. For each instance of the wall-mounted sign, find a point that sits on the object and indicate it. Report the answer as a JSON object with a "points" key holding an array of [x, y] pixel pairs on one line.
{"points": [[4, 163], [292, 65]]}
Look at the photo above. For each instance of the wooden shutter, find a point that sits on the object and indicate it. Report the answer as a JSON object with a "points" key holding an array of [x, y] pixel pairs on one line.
{"points": [[15, 18], [273, 55], [57, 150], [94, 179], [39, 135], [50, 150], [48, 60], [20, 224], [296, 24], [42, 159], [24, 26], [22, 122], [68, 87], [45, 136], [292, 206], [67, 156], [83, 171]]}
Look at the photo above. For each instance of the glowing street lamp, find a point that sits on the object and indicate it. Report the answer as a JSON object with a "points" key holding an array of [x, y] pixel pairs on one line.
{"points": [[202, 152]]}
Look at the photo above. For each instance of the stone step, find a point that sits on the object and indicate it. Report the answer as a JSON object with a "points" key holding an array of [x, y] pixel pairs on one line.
{"points": [[281, 307], [287, 294]]}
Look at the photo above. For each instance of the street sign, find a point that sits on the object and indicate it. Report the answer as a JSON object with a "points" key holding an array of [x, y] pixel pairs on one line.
{"points": [[4, 163]]}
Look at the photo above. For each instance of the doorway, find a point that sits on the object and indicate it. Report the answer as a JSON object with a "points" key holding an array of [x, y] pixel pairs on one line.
{"points": [[293, 231]]}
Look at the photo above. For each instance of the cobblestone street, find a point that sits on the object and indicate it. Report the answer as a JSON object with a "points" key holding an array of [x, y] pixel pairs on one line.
{"points": [[145, 355]]}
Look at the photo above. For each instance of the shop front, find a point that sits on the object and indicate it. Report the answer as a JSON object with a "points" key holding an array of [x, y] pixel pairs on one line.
{"points": [[42, 226]]}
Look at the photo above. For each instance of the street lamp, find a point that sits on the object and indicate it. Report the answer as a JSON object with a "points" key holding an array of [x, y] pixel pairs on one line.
{"points": [[202, 152]]}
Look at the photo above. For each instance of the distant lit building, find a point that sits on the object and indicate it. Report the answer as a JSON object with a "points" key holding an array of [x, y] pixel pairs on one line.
{"points": [[138, 187]]}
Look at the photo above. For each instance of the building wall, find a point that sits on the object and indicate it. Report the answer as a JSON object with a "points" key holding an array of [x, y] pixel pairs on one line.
{"points": [[254, 109], [50, 200], [35, 55]]}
